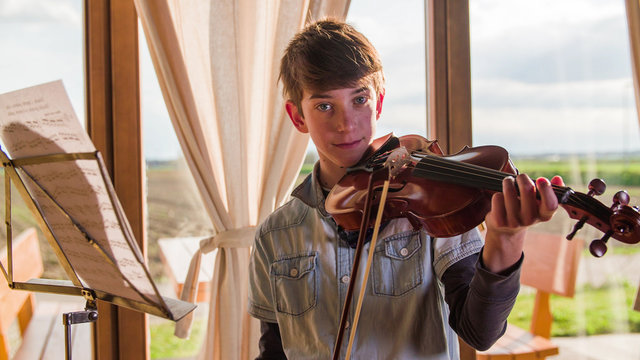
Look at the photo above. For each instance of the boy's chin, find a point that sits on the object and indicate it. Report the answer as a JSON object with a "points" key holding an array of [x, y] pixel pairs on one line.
{"points": [[346, 165], [350, 160]]}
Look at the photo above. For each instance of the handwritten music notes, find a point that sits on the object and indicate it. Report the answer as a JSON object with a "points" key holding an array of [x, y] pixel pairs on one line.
{"points": [[74, 197]]}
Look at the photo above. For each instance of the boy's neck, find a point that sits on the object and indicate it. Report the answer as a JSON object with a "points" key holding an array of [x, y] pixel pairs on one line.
{"points": [[329, 174]]}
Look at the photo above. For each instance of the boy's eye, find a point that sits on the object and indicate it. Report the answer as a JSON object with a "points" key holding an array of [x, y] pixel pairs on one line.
{"points": [[361, 100], [323, 107]]}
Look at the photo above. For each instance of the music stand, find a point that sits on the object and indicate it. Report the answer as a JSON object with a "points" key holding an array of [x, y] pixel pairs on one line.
{"points": [[63, 180]]}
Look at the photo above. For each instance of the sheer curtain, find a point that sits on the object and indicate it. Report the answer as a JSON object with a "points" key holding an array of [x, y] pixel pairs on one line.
{"points": [[633, 21], [217, 64]]}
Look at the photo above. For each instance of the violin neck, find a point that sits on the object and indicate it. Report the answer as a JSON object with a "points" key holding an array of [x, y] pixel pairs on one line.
{"points": [[439, 168]]}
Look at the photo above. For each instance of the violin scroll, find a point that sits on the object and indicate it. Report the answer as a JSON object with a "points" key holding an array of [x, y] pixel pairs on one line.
{"points": [[620, 221]]}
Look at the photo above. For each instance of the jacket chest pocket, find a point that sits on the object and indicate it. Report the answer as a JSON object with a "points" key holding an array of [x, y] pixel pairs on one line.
{"points": [[294, 284], [398, 265]]}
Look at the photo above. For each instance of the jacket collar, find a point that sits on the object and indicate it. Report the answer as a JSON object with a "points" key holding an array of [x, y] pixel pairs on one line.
{"points": [[310, 191]]}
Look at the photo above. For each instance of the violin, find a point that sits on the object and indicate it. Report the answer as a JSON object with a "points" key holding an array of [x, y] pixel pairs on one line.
{"points": [[450, 195], [410, 177]]}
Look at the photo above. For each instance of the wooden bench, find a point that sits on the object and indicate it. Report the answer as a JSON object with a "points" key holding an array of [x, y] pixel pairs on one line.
{"points": [[636, 307], [39, 322], [550, 266], [20, 304], [45, 336], [176, 254]]}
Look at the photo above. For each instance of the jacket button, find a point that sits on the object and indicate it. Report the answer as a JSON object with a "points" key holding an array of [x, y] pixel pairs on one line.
{"points": [[293, 272], [404, 251]]}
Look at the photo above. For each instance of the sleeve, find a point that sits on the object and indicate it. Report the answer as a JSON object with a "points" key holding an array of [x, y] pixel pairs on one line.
{"points": [[480, 301], [260, 294], [270, 343]]}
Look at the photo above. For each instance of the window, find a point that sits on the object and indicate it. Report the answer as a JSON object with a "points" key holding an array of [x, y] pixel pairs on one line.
{"points": [[396, 29], [42, 42], [551, 83]]}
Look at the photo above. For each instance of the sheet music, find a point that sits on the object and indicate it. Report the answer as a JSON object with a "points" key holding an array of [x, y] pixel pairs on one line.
{"points": [[40, 121]]}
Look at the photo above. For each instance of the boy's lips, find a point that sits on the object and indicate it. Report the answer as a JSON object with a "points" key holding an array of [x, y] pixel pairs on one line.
{"points": [[348, 144]]}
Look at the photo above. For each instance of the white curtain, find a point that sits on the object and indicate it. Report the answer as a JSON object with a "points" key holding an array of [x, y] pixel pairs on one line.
{"points": [[633, 22], [217, 64]]}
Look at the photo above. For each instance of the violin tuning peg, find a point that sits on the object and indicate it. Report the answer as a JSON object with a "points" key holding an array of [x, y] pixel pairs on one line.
{"points": [[576, 227], [621, 198], [596, 187], [598, 247]]}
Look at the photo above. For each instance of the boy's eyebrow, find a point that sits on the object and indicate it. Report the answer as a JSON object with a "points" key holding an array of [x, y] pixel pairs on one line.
{"points": [[326, 96]]}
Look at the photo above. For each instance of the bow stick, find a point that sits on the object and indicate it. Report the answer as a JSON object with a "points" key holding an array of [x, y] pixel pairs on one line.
{"points": [[372, 246], [377, 175]]}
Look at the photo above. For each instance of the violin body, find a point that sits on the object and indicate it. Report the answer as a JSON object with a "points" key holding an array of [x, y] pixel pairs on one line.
{"points": [[442, 208]]}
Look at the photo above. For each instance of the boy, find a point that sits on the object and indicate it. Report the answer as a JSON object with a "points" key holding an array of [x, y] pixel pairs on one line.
{"points": [[421, 289]]}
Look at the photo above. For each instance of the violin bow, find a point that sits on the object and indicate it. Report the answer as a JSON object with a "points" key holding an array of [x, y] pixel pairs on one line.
{"points": [[367, 268], [382, 173]]}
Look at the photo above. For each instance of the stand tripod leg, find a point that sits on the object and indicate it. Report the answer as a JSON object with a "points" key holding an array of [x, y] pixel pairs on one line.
{"points": [[67, 336]]}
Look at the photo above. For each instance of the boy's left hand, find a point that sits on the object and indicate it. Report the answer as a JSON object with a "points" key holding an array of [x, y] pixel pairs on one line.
{"points": [[512, 213]]}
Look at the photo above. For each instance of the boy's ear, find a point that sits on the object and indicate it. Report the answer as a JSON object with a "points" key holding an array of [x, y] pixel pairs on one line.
{"points": [[296, 117], [379, 104]]}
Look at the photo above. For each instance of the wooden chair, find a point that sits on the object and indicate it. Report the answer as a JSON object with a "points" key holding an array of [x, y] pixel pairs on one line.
{"points": [[636, 307], [27, 264], [40, 324], [550, 266]]}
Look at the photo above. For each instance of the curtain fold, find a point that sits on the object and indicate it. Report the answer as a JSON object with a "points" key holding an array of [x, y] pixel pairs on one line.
{"points": [[217, 64], [633, 22]]}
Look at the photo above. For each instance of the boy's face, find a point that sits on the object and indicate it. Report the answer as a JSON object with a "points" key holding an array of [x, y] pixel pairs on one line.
{"points": [[341, 123]]}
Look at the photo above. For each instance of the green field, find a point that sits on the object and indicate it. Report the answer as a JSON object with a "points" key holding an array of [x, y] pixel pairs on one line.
{"points": [[592, 311], [581, 170]]}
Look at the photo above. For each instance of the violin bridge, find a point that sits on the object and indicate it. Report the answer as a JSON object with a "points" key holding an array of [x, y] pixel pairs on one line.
{"points": [[397, 160]]}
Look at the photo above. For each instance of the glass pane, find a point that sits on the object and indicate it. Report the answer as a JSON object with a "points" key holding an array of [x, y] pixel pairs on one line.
{"points": [[41, 41], [396, 29], [551, 83], [174, 209], [553, 86]]}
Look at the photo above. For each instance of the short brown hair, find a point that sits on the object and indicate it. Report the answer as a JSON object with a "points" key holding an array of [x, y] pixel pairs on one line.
{"points": [[327, 55]]}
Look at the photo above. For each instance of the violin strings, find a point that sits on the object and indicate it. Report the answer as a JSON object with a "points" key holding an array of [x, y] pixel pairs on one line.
{"points": [[440, 168], [467, 174], [481, 177], [478, 176]]}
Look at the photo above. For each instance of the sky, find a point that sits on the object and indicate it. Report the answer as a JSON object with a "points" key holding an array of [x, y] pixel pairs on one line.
{"points": [[548, 77]]}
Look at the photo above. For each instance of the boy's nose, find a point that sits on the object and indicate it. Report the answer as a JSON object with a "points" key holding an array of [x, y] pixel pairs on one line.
{"points": [[346, 121]]}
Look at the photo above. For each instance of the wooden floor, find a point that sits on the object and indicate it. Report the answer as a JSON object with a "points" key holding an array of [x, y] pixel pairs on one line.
{"points": [[46, 327], [599, 347], [45, 336]]}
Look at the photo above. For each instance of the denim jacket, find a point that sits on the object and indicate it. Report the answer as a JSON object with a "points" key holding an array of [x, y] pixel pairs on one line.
{"points": [[299, 275]]}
